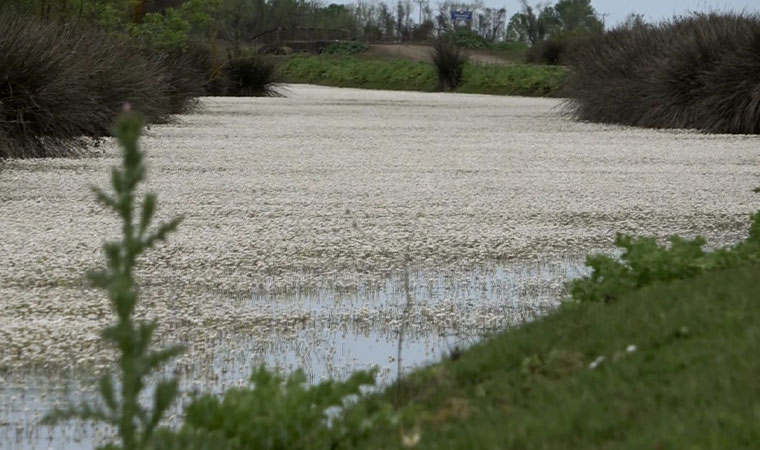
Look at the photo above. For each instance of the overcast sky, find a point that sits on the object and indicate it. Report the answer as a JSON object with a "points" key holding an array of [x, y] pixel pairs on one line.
{"points": [[653, 10], [617, 10]]}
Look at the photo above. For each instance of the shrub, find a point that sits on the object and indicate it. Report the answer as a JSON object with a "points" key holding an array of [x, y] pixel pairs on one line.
{"points": [[449, 63], [644, 262], [251, 76], [699, 72], [560, 48], [61, 84], [185, 81], [550, 51], [278, 413]]}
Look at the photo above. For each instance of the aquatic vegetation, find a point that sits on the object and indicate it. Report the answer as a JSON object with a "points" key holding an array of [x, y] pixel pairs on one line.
{"points": [[495, 216]]}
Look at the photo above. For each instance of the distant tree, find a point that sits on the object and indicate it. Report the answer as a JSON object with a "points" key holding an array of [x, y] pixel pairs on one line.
{"points": [[634, 20], [526, 26], [564, 16], [577, 14]]}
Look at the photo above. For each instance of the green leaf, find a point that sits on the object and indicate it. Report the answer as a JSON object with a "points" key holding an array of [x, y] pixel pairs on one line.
{"points": [[148, 209], [162, 232], [106, 391], [117, 181], [166, 393], [104, 198]]}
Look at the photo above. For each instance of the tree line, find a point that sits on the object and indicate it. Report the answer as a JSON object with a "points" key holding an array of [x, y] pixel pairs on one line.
{"points": [[166, 24]]}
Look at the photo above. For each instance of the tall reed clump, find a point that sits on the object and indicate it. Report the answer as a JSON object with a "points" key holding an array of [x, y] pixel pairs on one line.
{"points": [[137, 360], [60, 85], [449, 63], [698, 72], [251, 76]]}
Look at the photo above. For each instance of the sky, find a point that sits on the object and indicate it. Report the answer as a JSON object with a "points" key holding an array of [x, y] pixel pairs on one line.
{"points": [[616, 11], [653, 10]]}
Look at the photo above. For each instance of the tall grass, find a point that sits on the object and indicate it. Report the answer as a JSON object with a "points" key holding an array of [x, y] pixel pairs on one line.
{"points": [[698, 72]]}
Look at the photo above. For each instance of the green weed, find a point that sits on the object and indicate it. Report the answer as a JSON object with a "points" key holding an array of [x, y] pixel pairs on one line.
{"points": [[644, 262], [133, 340]]}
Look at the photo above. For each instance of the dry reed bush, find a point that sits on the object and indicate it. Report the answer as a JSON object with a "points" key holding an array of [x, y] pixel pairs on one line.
{"points": [[62, 84], [697, 72], [449, 63], [252, 76]]}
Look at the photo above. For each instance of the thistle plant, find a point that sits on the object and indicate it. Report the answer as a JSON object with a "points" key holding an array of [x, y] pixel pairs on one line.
{"points": [[133, 339]]}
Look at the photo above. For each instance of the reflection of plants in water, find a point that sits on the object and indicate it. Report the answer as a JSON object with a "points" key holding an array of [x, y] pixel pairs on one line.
{"points": [[136, 359], [408, 304]]}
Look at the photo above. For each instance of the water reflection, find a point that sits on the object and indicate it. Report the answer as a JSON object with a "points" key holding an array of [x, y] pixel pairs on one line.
{"points": [[327, 333]]}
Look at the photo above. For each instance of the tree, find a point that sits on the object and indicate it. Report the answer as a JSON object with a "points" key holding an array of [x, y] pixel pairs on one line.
{"points": [[526, 26], [564, 16], [577, 14]]}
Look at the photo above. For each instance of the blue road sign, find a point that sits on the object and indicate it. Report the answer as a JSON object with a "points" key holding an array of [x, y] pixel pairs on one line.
{"points": [[461, 15]]}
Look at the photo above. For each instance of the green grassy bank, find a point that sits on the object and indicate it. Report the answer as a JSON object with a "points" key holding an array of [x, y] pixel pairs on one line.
{"points": [[524, 80], [691, 381]]}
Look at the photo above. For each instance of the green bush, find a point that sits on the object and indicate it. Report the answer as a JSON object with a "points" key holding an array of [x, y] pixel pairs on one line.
{"points": [[700, 72], [449, 63], [644, 262], [279, 413]]}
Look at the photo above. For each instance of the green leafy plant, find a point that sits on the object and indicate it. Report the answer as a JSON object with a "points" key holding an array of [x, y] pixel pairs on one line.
{"points": [[279, 412], [644, 262], [137, 360]]}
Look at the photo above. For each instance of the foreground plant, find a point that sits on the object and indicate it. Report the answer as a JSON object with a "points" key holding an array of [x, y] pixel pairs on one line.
{"points": [[644, 262], [137, 360]]}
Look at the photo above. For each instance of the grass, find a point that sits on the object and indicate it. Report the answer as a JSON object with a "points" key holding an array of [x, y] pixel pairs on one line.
{"points": [[523, 80], [691, 381]]}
